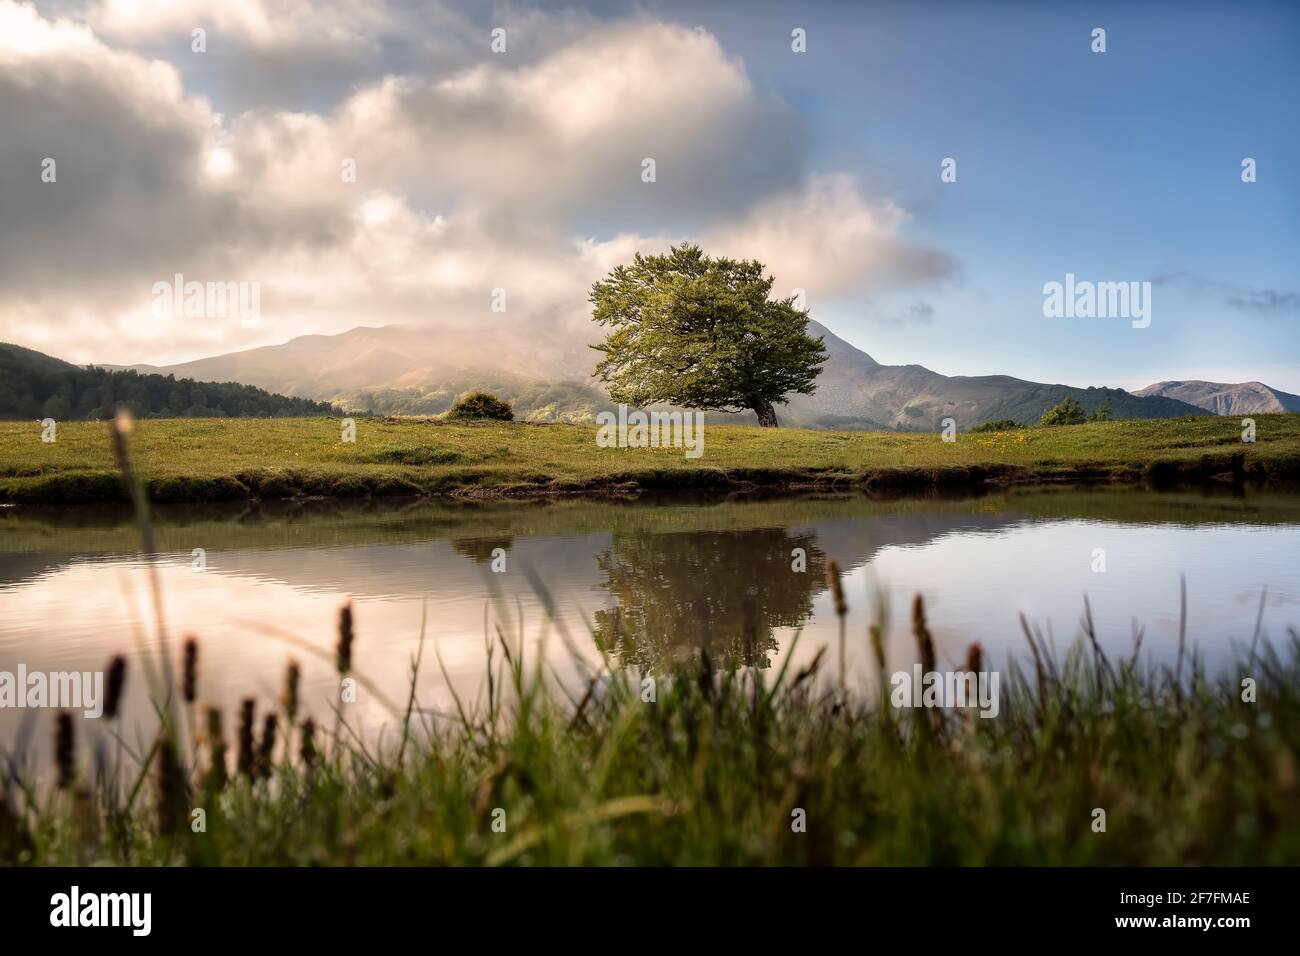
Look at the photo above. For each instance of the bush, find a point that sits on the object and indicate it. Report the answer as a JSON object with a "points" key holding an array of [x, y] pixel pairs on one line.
{"points": [[482, 405], [426, 455], [1001, 425], [1069, 412], [1101, 413]]}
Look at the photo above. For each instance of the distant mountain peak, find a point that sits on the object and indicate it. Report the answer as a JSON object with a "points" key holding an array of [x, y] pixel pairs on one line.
{"points": [[1241, 398]]}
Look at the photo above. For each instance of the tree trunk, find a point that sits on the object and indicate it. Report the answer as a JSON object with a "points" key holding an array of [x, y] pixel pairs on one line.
{"points": [[765, 412]]}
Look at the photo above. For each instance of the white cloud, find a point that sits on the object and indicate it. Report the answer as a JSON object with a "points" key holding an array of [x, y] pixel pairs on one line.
{"points": [[564, 137], [828, 239], [264, 23], [523, 175]]}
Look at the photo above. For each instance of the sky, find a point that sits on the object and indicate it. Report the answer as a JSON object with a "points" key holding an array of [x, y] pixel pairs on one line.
{"points": [[522, 169]]}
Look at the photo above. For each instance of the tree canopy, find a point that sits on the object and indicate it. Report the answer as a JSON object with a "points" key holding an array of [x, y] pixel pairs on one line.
{"points": [[701, 332], [1071, 412]]}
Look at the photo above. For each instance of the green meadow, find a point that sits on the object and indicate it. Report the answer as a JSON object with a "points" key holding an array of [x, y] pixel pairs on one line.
{"points": [[190, 460]]}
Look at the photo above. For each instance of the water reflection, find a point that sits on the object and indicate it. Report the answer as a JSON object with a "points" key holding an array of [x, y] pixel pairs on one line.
{"points": [[720, 593]]}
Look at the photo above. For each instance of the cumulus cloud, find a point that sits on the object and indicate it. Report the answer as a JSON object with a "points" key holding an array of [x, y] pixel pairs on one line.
{"points": [[517, 174], [264, 23], [828, 239], [564, 137]]}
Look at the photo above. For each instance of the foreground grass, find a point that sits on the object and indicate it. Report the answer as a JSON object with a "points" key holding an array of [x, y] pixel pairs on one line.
{"points": [[183, 460], [713, 771]]}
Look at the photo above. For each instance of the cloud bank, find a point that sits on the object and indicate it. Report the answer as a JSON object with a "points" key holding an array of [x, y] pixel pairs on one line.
{"points": [[520, 171]]}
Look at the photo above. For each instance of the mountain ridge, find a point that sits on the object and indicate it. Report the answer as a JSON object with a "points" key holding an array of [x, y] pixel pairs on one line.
{"points": [[1241, 398], [409, 370], [34, 385]]}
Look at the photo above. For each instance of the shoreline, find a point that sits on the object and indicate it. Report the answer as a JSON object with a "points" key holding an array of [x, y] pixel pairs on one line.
{"points": [[189, 461], [106, 487]]}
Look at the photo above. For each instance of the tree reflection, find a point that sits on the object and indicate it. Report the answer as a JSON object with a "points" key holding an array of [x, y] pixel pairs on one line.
{"points": [[721, 593], [479, 550]]}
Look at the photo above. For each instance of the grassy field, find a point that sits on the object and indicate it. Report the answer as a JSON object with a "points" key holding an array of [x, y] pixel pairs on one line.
{"points": [[713, 768], [225, 459]]}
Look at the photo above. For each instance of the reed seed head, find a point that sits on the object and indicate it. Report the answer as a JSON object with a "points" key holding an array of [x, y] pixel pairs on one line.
{"points": [[292, 676], [878, 645], [837, 588], [190, 677], [116, 682], [924, 640], [65, 749], [244, 759], [345, 639], [214, 721], [172, 787], [266, 752], [975, 658], [307, 749], [217, 773]]}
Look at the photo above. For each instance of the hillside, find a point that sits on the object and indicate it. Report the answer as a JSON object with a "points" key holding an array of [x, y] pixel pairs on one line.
{"points": [[35, 386], [856, 391], [403, 370], [1245, 398]]}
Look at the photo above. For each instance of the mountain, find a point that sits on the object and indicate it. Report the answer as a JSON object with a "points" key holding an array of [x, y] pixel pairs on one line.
{"points": [[409, 371], [34, 385], [403, 370], [1246, 398], [856, 391]]}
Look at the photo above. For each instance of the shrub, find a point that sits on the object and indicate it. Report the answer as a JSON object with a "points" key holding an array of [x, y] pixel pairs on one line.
{"points": [[1101, 413], [422, 455], [1001, 425], [1069, 412], [482, 405]]}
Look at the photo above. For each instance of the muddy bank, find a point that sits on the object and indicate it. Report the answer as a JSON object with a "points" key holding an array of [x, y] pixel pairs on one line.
{"points": [[98, 487]]}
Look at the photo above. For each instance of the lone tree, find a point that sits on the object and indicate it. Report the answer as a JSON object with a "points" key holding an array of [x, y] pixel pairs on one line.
{"points": [[700, 332]]}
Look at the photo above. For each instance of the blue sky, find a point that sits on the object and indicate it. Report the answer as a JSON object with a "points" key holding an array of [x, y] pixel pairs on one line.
{"points": [[1116, 166]]}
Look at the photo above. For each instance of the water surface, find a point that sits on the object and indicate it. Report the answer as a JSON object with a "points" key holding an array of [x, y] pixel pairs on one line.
{"points": [[649, 581]]}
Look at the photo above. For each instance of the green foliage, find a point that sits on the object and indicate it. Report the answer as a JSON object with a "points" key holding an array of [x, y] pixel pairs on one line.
{"points": [[698, 332], [1001, 425], [1068, 412], [1071, 412], [35, 386], [1100, 413], [1025, 405], [482, 405]]}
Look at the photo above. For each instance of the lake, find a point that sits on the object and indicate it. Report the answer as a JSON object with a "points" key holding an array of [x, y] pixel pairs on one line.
{"points": [[651, 581]]}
